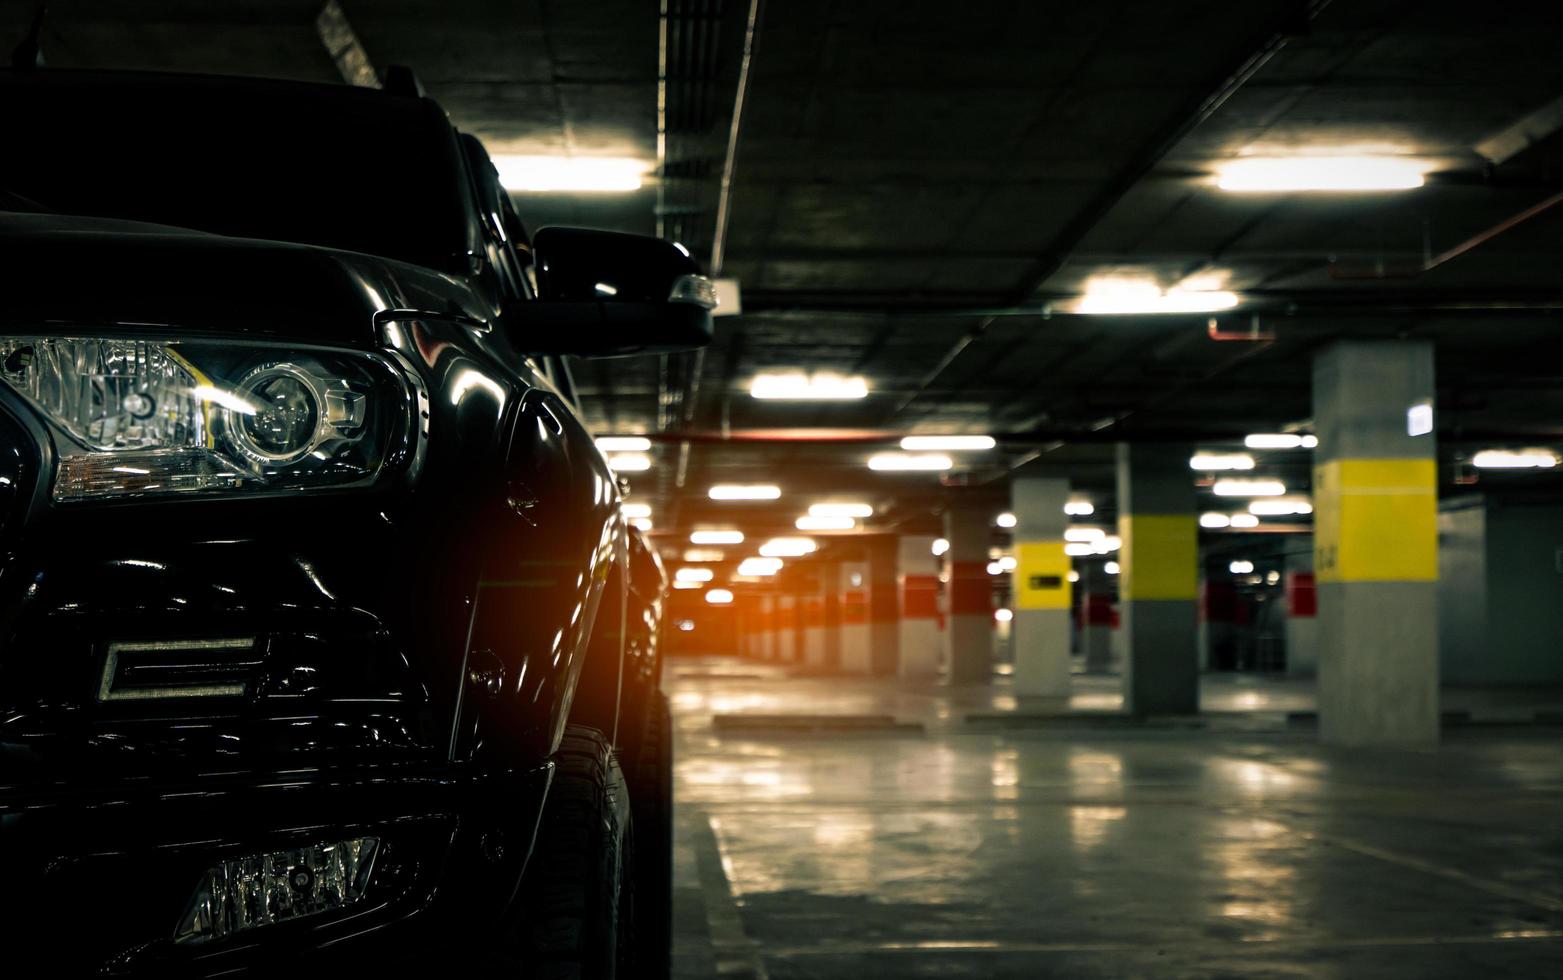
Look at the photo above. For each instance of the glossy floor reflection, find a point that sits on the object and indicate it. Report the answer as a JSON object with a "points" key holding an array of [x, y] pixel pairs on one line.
{"points": [[1100, 852]]}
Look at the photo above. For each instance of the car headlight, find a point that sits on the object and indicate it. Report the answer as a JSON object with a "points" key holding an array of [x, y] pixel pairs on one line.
{"points": [[137, 417]]}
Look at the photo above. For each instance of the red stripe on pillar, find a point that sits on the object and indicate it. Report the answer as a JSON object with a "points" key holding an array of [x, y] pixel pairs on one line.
{"points": [[971, 589], [854, 607], [1302, 595], [919, 596], [813, 612], [1096, 609]]}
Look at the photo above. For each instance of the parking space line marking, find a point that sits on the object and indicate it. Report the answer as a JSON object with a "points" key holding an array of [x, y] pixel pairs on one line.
{"points": [[737, 956]]}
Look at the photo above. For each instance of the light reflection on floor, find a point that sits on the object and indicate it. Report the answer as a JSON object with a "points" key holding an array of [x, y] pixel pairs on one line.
{"points": [[1099, 852]]}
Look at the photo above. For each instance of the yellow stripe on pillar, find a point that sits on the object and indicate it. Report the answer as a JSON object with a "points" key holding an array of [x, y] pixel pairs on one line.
{"points": [[1160, 556], [1376, 520], [1041, 575]]}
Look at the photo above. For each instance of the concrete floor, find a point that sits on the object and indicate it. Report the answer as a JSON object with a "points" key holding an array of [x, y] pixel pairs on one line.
{"points": [[1100, 850]]}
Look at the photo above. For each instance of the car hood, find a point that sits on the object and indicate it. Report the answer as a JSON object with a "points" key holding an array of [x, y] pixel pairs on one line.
{"points": [[65, 270]]}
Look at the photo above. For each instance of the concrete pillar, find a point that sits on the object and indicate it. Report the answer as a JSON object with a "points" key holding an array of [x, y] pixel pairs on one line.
{"points": [[917, 579], [1302, 616], [766, 626], [884, 639], [1041, 587], [787, 628], [853, 636], [813, 614], [1376, 544], [1159, 579], [1096, 616], [968, 633]]}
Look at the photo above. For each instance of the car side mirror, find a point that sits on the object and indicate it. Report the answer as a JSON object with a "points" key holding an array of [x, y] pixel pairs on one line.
{"points": [[609, 294]]}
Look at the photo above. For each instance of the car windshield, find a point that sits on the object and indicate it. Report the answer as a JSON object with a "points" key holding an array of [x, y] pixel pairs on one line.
{"points": [[339, 167]]}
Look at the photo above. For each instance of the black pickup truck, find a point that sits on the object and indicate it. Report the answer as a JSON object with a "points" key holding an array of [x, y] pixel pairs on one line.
{"points": [[324, 642]]}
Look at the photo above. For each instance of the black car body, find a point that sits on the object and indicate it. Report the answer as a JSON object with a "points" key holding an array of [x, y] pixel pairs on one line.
{"points": [[302, 543]]}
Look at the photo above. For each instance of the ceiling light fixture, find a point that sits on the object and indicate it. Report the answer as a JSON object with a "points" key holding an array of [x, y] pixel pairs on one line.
{"points": [[788, 548], [1076, 550], [909, 462], [717, 536], [1214, 520], [745, 491], [694, 575], [1280, 507], [1111, 568], [1211, 462], [1249, 488], [1005, 519], [720, 597], [1079, 508], [1280, 440], [704, 554], [759, 567], [1084, 534], [629, 462], [1346, 173], [1241, 567], [580, 175], [940, 546], [1129, 295], [636, 510], [841, 509], [641, 523], [686, 584], [947, 443], [1511, 459], [810, 522], [1244, 520], [623, 444], [808, 387]]}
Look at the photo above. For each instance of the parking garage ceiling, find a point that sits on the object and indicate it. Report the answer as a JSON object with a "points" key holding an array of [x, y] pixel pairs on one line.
{"points": [[919, 194]]}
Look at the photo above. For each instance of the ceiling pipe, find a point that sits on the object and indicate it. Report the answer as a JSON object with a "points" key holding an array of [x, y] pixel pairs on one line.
{"points": [[1346, 272]]}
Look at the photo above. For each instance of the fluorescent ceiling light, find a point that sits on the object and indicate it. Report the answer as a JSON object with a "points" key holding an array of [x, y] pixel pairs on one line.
{"points": [[551, 174], [1079, 508], [1249, 488], [947, 443], [1240, 567], [716, 536], [1106, 545], [1005, 519], [994, 568], [788, 547], [759, 566], [1510, 459], [808, 387], [940, 546], [623, 444], [1008, 563], [1084, 534], [1320, 173], [841, 509], [1111, 568], [641, 523], [1419, 419], [636, 510], [704, 554], [1126, 295], [810, 522], [1073, 575], [686, 584], [1280, 440], [694, 575], [1280, 508], [629, 462], [1210, 462], [1003, 615], [1075, 550], [1244, 520], [719, 597], [745, 491], [1214, 520], [909, 462]]}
